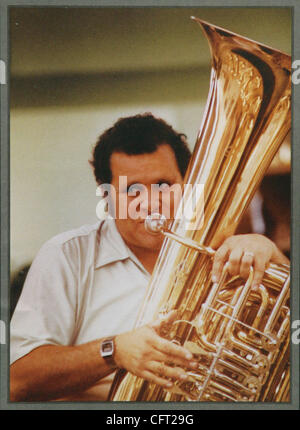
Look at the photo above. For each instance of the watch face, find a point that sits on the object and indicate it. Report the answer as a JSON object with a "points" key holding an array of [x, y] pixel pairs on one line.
{"points": [[107, 348]]}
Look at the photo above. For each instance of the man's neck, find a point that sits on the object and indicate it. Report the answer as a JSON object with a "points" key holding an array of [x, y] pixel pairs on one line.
{"points": [[147, 257]]}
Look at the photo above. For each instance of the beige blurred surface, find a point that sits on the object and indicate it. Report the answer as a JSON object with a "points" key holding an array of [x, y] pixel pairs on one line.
{"points": [[94, 40], [74, 71]]}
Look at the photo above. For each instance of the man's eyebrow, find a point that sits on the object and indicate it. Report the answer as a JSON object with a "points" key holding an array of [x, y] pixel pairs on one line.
{"points": [[156, 181], [164, 180], [169, 181], [134, 183]]}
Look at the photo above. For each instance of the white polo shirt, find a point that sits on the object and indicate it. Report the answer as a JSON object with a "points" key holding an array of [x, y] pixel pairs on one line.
{"points": [[83, 285]]}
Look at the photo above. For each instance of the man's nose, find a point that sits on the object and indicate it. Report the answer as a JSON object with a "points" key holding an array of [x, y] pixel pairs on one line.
{"points": [[150, 203]]}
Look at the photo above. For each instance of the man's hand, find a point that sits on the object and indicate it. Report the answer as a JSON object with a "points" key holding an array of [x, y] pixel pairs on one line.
{"points": [[242, 252], [147, 355]]}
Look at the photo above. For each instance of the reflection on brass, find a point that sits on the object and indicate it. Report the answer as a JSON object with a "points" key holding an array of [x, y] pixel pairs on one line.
{"points": [[240, 337], [281, 163]]}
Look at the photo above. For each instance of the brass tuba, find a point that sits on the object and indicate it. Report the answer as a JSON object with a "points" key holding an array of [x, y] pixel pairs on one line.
{"points": [[239, 336]]}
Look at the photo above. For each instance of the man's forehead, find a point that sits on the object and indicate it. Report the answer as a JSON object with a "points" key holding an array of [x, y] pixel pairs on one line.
{"points": [[163, 156], [148, 167]]}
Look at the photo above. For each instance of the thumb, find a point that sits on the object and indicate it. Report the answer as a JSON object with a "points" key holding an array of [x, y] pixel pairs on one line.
{"points": [[163, 321]]}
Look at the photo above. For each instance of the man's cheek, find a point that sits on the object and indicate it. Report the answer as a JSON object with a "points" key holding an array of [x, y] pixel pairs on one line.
{"points": [[177, 197], [122, 206], [170, 205]]}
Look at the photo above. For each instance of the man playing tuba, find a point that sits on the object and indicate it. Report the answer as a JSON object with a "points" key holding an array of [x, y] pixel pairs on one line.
{"points": [[74, 323]]}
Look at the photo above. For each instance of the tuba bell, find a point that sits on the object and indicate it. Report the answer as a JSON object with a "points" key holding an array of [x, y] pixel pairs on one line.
{"points": [[239, 336]]}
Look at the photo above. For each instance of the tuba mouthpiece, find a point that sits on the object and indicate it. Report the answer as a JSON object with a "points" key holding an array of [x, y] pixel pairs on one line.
{"points": [[155, 223]]}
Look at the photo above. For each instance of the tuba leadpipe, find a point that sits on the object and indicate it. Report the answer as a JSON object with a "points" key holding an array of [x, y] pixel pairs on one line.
{"points": [[240, 337]]}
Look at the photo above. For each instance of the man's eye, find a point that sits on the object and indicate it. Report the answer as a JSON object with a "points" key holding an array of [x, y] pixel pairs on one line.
{"points": [[163, 185], [134, 188]]}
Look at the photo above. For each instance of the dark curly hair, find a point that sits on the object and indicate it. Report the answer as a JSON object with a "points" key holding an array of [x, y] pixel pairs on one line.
{"points": [[139, 134]]}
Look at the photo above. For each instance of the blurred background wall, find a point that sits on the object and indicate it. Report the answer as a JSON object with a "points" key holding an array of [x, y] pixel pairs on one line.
{"points": [[75, 71]]}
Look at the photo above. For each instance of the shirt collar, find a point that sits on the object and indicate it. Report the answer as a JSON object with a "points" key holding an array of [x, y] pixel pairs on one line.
{"points": [[111, 246]]}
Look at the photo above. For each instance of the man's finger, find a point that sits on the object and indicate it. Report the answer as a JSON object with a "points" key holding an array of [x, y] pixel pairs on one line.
{"points": [[191, 364], [172, 349], [259, 270], [163, 370], [175, 354], [219, 261], [246, 263], [158, 380], [168, 318], [234, 261]]}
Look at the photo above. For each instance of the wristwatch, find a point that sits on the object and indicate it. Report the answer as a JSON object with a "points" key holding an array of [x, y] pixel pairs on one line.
{"points": [[107, 349]]}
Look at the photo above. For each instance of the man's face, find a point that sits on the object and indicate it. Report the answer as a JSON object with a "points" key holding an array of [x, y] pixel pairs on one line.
{"points": [[135, 197]]}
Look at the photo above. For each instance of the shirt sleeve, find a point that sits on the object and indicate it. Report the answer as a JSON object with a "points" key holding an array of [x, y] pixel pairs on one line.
{"points": [[46, 311]]}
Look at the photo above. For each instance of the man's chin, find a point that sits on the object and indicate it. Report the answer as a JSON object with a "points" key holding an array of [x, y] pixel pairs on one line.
{"points": [[138, 236], [148, 240]]}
